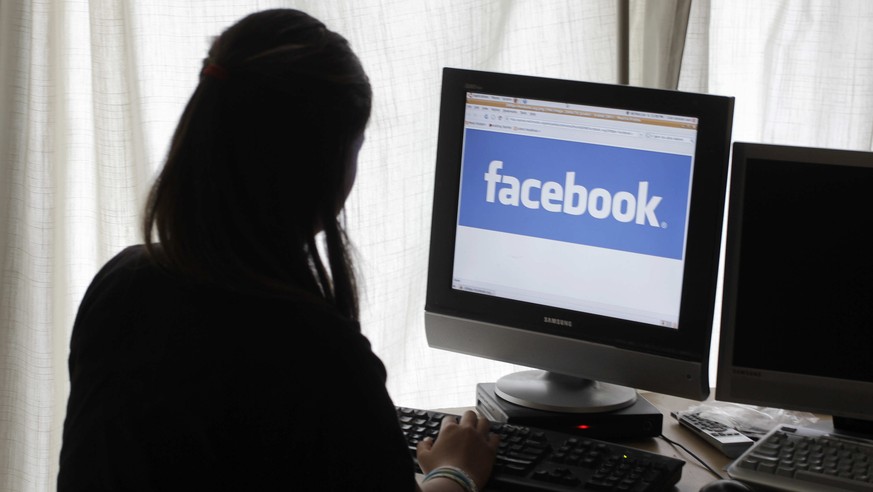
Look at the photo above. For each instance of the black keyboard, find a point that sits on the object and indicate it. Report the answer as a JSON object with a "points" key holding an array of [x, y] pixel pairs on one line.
{"points": [[536, 459]]}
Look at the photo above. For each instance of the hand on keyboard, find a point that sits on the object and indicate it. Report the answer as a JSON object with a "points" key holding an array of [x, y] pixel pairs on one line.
{"points": [[466, 442]]}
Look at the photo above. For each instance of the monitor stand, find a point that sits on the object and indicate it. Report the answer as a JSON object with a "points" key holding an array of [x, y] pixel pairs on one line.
{"points": [[854, 427], [554, 392], [639, 420]]}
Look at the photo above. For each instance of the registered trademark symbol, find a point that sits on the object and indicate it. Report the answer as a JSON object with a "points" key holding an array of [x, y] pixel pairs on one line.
{"points": [[663, 225]]}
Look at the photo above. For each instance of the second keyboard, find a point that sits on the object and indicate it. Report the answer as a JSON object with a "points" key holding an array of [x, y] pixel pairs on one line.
{"points": [[807, 460], [536, 459]]}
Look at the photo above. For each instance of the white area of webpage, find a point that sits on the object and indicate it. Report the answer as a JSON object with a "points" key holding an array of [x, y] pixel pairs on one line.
{"points": [[571, 276]]}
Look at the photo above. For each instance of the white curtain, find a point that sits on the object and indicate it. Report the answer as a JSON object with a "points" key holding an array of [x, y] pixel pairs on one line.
{"points": [[91, 91], [801, 72]]}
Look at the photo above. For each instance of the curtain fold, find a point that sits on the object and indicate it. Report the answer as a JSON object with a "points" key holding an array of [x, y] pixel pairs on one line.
{"points": [[658, 38], [92, 89]]}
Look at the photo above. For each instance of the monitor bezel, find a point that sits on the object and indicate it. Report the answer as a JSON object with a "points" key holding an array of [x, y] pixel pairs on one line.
{"points": [[766, 387], [524, 323]]}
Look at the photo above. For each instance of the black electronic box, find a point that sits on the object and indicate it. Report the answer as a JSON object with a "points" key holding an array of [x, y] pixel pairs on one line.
{"points": [[640, 420]]}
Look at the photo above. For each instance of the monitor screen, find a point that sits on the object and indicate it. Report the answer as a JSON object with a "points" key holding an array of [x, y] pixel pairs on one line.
{"points": [[576, 230], [798, 281]]}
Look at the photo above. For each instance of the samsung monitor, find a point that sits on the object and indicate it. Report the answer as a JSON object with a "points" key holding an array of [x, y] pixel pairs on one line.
{"points": [[575, 231], [797, 312]]}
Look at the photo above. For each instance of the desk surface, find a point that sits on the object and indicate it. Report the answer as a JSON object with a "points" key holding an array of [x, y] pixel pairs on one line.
{"points": [[694, 474]]}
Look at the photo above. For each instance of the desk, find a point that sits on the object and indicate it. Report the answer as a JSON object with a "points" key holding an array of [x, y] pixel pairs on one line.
{"points": [[694, 474]]}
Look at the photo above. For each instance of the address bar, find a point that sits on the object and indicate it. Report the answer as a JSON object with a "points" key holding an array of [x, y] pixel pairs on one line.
{"points": [[598, 129]]}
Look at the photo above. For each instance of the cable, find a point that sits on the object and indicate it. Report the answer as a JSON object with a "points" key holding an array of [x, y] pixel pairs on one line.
{"points": [[705, 465]]}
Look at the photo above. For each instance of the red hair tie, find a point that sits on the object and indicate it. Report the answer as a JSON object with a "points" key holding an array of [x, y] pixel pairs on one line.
{"points": [[213, 70]]}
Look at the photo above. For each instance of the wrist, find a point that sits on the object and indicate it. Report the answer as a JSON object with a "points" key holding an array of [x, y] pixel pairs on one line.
{"points": [[454, 474]]}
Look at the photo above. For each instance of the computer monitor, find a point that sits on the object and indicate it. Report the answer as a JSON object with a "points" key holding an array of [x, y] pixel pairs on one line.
{"points": [[797, 311], [576, 230]]}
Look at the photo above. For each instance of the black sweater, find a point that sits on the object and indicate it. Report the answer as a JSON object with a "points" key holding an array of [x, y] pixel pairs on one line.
{"points": [[183, 387]]}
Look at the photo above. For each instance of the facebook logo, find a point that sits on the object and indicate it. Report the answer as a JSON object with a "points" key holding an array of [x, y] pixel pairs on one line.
{"points": [[575, 198], [618, 198]]}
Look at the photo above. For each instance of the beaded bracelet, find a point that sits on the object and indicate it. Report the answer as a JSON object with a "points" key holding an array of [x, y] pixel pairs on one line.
{"points": [[455, 474]]}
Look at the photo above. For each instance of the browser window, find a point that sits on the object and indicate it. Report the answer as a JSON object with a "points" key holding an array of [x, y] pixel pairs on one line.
{"points": [[576, 207]]}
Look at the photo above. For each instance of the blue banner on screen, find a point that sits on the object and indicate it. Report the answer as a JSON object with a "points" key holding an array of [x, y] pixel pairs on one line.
{"points": [[609, 197]]}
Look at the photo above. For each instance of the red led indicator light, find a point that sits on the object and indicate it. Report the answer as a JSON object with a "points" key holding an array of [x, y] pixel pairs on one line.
{"points": [[582, 426]]}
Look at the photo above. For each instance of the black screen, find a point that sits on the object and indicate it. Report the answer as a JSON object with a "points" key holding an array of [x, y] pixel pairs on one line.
{"points": [[805, 294]]}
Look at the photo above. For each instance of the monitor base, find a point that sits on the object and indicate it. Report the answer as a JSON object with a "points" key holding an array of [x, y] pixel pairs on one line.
{"points": [[640, 420], [555, 392]]}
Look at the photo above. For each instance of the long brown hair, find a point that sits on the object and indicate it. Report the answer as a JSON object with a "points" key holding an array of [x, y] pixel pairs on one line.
{"points": [[258, 164]]}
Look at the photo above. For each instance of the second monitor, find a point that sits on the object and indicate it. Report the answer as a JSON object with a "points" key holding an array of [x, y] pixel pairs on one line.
{"points": [[798, 283], [576, 230]]}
